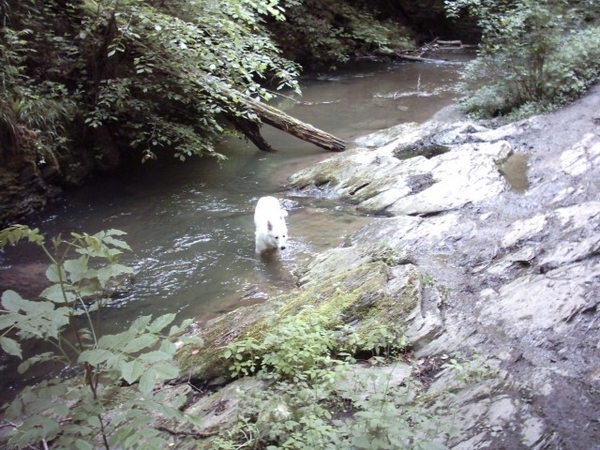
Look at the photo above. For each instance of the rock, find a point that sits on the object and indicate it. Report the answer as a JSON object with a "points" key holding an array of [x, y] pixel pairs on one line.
{"points": [[540, 302], [380, 183], [568, 252], [582, 157], [219, 410], [384, 137], [515, 269], [468, 267]]}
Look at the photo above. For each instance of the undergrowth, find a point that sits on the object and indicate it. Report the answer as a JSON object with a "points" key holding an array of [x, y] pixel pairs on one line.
{"points": [[318, 399]]}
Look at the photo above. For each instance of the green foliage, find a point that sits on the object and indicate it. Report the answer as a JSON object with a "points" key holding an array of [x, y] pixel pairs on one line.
{"points": [[299, 348], [32, 116], [333, 31], [470, 370], [316, 399], [533, 57], [392, 417], [377, 338], [81, 412], [154, 75]]}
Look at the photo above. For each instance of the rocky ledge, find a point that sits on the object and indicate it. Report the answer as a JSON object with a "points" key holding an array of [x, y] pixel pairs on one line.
{"points": [[484, 241]]}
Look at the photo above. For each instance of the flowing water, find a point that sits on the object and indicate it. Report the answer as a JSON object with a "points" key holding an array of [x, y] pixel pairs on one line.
{"points": [[190, 224]]}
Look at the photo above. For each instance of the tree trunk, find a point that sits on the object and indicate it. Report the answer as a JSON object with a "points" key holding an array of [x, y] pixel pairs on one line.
{"points": [[252, 132], [283, 122]]}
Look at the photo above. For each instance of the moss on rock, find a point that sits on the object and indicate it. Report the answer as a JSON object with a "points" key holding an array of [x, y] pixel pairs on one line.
{"points": [[358, 297]]}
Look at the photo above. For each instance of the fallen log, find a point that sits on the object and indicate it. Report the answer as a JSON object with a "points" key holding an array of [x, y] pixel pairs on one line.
{"points": [[266, 114], [418, 58], [451, 43], [280, 120]]}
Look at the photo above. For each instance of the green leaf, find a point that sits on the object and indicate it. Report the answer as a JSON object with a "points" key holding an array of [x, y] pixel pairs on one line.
{"points": [[55, 274], [117, 242], [131, 371], [94, 421], [15, 233], [166, 371], [42, 357], [140, 324], [175, 329], [8, 320], [61, 409], [56, 294], [156, 356], [80, 444], [11, 346], [12, 301], [161, 322], [140, 343], [168, 347], [115, 341], [115, 232], [147, 382], [105, 273], [95, 356], [76, 268]]}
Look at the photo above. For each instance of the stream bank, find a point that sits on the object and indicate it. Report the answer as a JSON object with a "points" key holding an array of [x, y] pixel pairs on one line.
{"points": [[502, 227]]}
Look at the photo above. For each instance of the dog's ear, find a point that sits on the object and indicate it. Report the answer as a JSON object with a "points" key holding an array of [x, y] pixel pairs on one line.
{"points": [[284, 213], [269, 225]]}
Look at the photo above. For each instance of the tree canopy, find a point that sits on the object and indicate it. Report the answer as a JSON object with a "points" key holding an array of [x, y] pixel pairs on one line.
{"points": [[149, 74], [93, 81], [328, 33]]}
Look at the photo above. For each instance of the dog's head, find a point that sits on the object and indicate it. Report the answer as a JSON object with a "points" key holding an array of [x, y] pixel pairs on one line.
{"points": [[278, 233]]}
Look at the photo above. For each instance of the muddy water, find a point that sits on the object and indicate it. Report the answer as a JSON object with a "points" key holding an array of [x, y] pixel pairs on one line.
{"points": [[190, 224]]}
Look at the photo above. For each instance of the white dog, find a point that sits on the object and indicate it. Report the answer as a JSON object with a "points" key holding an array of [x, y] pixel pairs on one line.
{"points": [[271, 230]]}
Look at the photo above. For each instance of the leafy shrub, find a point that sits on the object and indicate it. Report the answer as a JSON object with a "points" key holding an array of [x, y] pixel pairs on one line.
{"points": [[393, 417], [90, 409], [533, 56], [376, 338], [298, 349], [470, 370], [308, 405], [33, 117]]}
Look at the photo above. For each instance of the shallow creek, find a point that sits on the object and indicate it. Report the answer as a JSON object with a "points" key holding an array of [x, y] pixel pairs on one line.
{"points": [[190, 224]]}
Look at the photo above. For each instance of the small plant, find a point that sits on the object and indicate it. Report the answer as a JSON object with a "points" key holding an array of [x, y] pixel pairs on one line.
{"points": [[92, 408], [298, 349], [469, 371], [379, 339], [393, 417]]}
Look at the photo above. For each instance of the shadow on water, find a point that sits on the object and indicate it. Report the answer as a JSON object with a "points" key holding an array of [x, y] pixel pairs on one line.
{"points": [[190, 224]]}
